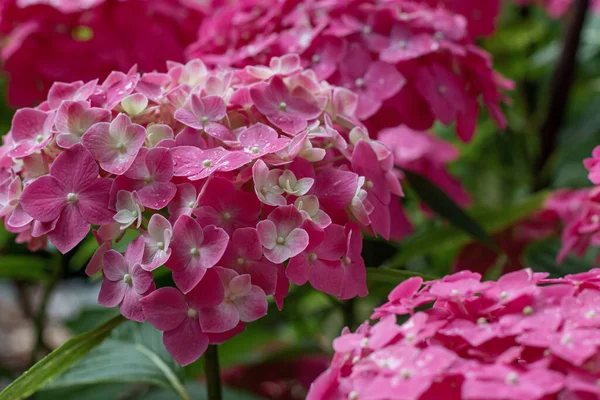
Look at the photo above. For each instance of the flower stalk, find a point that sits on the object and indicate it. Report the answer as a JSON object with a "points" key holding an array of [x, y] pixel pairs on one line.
{"points": [[213, 373]]}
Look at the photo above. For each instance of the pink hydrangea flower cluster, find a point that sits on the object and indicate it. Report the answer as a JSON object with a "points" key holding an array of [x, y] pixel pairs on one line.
{"points": [[87, 39], [238, 181], [411, 62], [583, 228], [557, 8], [522, 337]]}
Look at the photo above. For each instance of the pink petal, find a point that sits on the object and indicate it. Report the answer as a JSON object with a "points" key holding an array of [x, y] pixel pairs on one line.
{"points": [[92, 201], [187, 234], [253, 305], [298, 269], [296, 242], [210, 292], [131, 308], [240, 285], [187, 277], [165, 308], [157, 195], [214, 245], [267, 233], [335, 189], [220, 338], [70, 230], [286, 219], [96, 263], [44, 198], [115, 266], [187, 342], [327, 277], [247, 243], [160, 164], [112, 293], [142, 279], [219, 319], [74, 168]]}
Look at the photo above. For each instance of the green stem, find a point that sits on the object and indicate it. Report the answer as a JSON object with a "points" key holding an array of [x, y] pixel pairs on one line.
{"points": [[213, 375], [348, 312], [39, 320]]}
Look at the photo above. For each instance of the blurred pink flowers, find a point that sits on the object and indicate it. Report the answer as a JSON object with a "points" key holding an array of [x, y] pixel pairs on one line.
{"points": [[84, 40], [521, 337], [410, 62]]}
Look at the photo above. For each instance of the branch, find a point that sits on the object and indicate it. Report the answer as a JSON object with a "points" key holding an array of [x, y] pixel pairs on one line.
{"points": [[560, 88]]}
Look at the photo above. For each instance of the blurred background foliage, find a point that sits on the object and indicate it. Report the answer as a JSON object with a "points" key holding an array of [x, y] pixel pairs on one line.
{"points": [[498, 168]]}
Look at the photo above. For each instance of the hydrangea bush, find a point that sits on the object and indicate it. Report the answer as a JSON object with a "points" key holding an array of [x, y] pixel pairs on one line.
{"points": [[410, 62], [522, 337], [238, 181]]}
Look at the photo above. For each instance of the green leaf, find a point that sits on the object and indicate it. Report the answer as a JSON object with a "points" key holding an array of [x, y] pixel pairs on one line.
{"points": [[541, 257], [447, 238], [197, 392], [134, 353], [446, 208], [91, 392], [57, 362], [25, 267]]}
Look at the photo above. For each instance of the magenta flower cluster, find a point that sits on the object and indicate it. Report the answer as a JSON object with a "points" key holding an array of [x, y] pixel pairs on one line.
{"points": [[87, 39], [228, 176], [410, 62], [583, 227], [522, 337]]}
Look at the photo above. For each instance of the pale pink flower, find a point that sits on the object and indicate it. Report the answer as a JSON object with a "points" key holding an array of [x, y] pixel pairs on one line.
{"points": [[260, 139], [150, 176], [75, 91], [72, 194], [281, 234], [168, 310], [135, 104], [74, 118], [184, 202], [116, 144], [196, 164], [373, 81], [10, 207], [309, 208], [288, 112], [286, 65], [156, 242], [125, 282], [229, 298], [129, 209], [292, 186], [319, 263], [244, 255], [266, 184], [31, 131], [194, 250], [205, 114]]}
